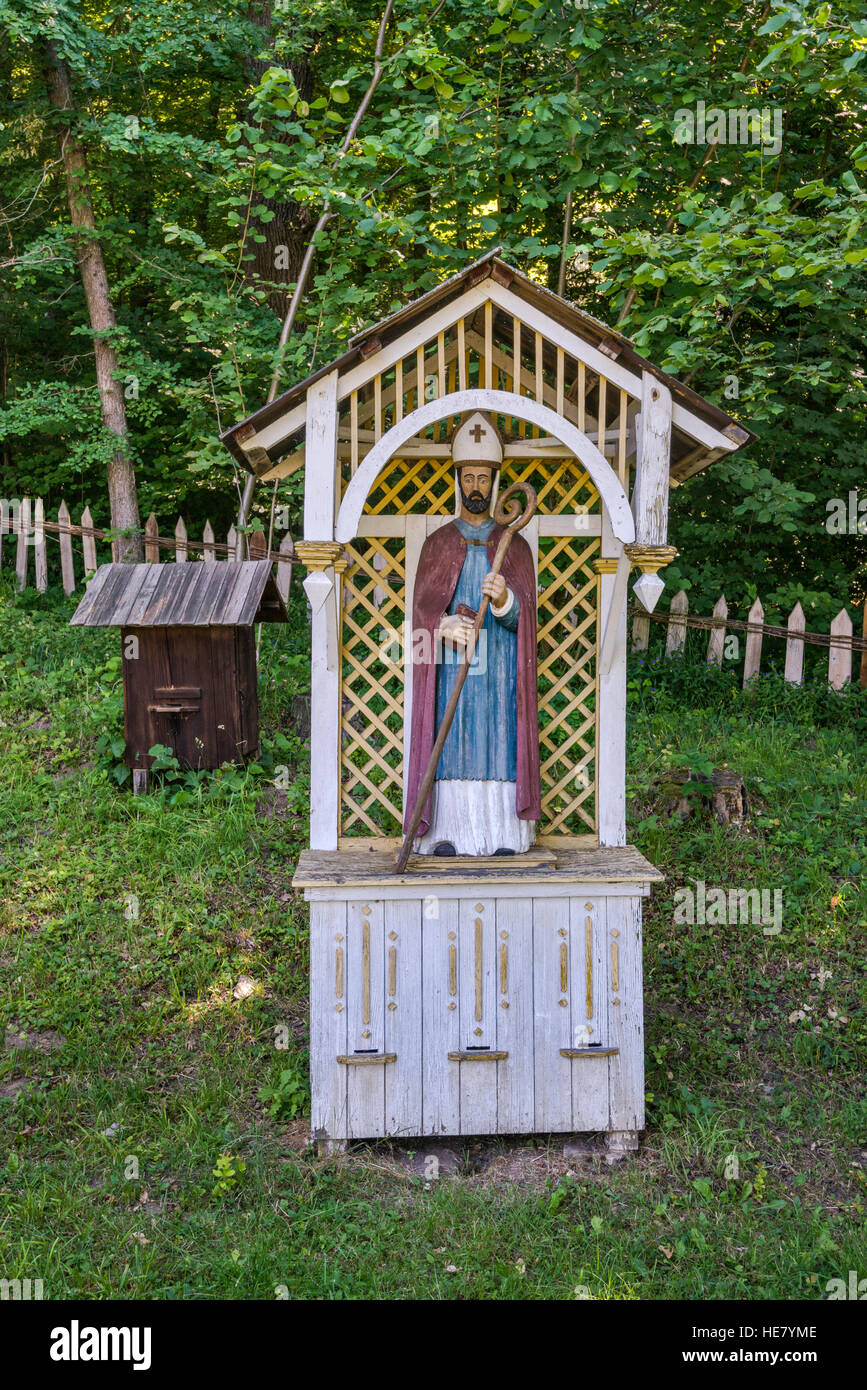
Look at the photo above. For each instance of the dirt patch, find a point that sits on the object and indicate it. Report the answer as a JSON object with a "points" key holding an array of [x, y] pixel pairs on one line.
{"points": [[530, 1164], [295, 1136], [271, 804], [26, 1040], [10, 1089]]}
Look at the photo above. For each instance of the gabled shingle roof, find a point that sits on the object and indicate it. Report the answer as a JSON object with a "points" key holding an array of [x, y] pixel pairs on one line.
{"points": [[228, 593], [568, 315]]}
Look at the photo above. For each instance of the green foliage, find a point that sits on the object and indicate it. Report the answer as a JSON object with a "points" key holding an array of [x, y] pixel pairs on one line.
{"points": [[213, 148], [126, 922], [229, 1170], [288, 1094]]}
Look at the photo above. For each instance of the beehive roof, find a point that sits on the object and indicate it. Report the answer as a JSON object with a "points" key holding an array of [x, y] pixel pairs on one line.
{"points": [[230, 593]]}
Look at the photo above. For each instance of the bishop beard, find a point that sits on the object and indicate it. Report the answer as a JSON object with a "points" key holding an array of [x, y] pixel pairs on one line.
{"points": [[474, 502]]}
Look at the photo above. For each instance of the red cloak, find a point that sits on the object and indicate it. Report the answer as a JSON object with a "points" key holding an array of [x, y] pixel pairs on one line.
{"points": [[439, 567]]}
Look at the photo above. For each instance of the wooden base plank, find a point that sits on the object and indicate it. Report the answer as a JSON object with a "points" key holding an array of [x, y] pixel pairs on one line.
{"points": [[441, 1025], [477, 1009], [403, 1017], [551, 1022], [328, 1014]]}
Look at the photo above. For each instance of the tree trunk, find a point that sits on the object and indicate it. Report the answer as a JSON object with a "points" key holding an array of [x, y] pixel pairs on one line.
{"points": [[122, 496], [280, 256]]}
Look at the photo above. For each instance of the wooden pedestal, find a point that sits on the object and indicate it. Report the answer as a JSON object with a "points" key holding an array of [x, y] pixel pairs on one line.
{"points": [[478, 1000]]}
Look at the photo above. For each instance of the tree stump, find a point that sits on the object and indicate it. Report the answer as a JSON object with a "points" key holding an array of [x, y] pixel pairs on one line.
{"points": [[679, 791], [729, 800]]}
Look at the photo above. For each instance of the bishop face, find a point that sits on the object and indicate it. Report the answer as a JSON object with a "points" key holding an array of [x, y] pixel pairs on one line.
{"points": [[475, 481]]}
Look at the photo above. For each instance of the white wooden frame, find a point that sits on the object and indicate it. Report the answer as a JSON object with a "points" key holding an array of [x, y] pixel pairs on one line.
{"points": [[440, 321], [604, 478]]}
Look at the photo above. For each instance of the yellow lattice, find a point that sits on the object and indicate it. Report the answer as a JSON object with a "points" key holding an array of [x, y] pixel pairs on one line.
{"points": [[565, 487], [567, 683], [371, 663], [415, 485]]}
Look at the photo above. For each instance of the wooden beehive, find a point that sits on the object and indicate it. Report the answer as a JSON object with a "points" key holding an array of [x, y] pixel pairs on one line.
{"points": [[189, 659]]}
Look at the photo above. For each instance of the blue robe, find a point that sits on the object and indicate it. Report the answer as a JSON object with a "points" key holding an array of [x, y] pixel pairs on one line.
{"points": [[482, 742]]}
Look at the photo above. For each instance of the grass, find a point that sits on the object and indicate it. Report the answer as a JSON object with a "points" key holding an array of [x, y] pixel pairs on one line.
{"points": [[153, 963]]}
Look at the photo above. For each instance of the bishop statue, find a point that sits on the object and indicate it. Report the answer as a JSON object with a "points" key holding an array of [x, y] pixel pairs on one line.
{"points": [[485, 798]]}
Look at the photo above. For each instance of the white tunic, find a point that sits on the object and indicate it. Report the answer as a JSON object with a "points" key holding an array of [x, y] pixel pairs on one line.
{"points": [[477, 817]]}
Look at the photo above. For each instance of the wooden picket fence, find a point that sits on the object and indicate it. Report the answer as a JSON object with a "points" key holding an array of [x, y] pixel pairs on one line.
{"points": [[24, 529], [840, 641]]}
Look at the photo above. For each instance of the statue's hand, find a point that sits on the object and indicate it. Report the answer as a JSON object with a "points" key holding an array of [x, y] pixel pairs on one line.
{"points": [[494, 585], [455, 629]]}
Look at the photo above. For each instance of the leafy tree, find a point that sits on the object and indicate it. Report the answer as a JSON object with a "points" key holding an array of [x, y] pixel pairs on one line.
{"points": [[215, 140]]}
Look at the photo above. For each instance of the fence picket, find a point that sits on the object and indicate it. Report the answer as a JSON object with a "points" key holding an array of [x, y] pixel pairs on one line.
{"points": [[23, 535], [640, 633], [152, 532], [180, 541], [40, 558], [284, 568], [753, 650], [67, 564], [794, 670], [716, 641], [88, 543], [208, 542], [676, 634], [840, 658]]}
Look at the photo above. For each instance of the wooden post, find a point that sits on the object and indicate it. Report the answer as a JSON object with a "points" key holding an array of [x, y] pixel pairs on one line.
{"points": [[676, 634], [320, 459], [67, 566], [152, 531], [210, 554], [284, 568], [610, 697], [864, 652], [794, 671], [640, 633], [88, 542], [840, 657], [322, 589], [653, 450], [753, 653], [40, 559], [716, 642], [257, 545], [235, 542], [23, 535], [180, 541]]}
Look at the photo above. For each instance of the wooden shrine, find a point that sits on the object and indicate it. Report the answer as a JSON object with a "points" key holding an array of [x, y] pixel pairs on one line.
{"points": [[487, 994]]}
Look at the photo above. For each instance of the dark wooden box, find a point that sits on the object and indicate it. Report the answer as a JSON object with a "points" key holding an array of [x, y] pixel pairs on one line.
{"points": [[189, 656], [194, 690]]}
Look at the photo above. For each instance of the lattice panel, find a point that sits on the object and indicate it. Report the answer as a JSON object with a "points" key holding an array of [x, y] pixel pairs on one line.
{"points": [[567, 684], [414, 485], [564, 488], [371, 662], [427, 485]]}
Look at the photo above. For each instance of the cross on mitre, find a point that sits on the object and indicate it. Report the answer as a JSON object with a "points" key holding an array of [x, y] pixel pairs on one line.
{"points": [[477, 440]]}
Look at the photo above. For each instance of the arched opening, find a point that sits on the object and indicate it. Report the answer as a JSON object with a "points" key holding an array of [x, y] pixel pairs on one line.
{"points": [[604, 478]]}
